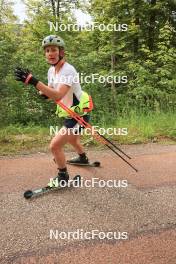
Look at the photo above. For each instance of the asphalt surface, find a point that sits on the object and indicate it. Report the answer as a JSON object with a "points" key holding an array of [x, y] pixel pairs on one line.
{"points": [[145, 210]]}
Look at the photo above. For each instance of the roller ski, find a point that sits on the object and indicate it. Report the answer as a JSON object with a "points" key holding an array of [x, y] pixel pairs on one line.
{"points": [[82, 160], [55, 184]]}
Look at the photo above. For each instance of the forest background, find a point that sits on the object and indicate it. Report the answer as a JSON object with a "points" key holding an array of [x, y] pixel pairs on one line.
{"points": [[144, 53]]}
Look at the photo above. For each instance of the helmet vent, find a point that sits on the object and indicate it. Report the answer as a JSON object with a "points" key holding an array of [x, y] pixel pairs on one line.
{"points": [[53, 40]]}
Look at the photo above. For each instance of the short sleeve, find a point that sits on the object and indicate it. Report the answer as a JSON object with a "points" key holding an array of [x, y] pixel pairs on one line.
{"points": [[68, 76]]}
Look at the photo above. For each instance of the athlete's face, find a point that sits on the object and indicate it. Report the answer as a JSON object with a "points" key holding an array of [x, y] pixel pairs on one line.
{"points": [[52, 54]]}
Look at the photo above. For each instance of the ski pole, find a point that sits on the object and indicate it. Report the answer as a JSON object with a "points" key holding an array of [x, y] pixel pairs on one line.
{"points": [[96, 135], [74, 115], [114, 146]]}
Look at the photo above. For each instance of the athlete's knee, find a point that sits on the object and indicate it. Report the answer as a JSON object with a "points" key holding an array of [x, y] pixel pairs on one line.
{"points": [[55, 146], [52, 147]]}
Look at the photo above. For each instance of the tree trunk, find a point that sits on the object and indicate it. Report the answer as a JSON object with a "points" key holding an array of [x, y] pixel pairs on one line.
{"points": [[58, 8], [112, 69], [53, 7], [136, 37], [151, 32]]}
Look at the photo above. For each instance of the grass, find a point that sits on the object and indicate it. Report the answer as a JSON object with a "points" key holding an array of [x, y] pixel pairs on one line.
{"points": [[160, 127], [19, 139], [156, 127]]}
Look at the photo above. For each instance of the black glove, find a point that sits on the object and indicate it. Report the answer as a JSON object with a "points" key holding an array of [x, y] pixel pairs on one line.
{"points": [[25, 76]]}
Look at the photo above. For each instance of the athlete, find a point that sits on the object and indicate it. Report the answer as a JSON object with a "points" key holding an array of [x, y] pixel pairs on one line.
{"points": [[63, 85]]}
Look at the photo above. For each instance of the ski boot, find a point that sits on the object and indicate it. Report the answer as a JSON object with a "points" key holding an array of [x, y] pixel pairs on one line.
{"points": [[82, 159], [59, 181]]}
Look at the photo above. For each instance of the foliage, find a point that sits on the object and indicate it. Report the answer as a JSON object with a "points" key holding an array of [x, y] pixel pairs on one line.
{"points": [[145, 53]]}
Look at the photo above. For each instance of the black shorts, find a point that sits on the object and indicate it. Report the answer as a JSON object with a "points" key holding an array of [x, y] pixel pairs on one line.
{"points": [[74, 125]]}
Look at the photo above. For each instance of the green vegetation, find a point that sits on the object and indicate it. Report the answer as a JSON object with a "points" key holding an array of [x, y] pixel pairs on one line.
{"points": [[16, 139], [145, 53], [149, 128], [141, 129]]}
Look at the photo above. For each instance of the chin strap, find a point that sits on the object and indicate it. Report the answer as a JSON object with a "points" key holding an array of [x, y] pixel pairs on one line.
{"points": [[61, 56], [60, 62], [55, 63]]}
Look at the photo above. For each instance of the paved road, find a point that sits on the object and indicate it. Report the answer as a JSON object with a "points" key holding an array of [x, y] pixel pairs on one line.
{"points": [[145, 210]]}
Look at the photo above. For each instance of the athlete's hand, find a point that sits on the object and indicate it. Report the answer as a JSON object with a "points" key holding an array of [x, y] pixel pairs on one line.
{"points": [[25, 76], [21, 74]]}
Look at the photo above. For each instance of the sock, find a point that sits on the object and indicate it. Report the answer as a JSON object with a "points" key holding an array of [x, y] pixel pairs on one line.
{"points": [[63, 174], [63, 170]]}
